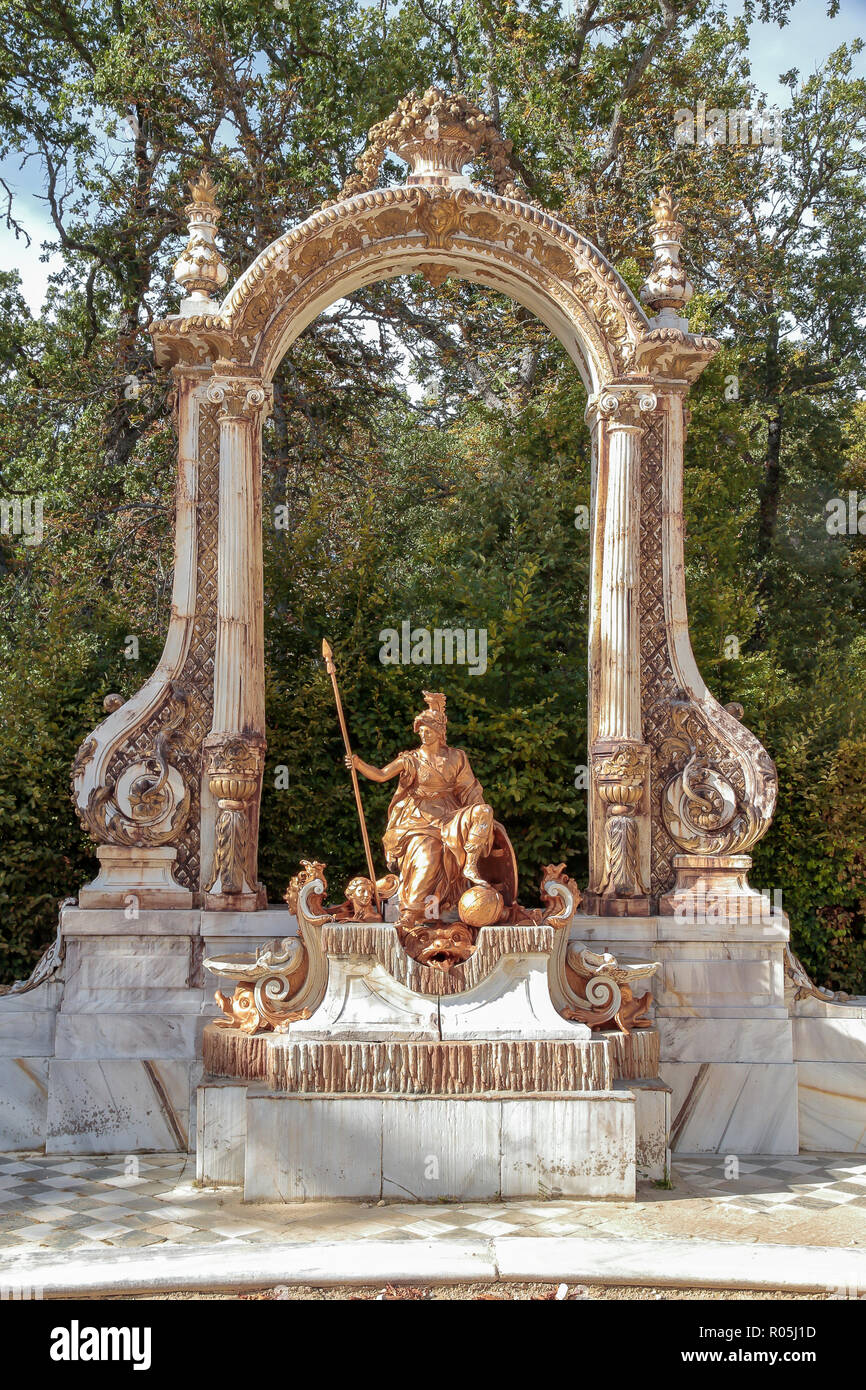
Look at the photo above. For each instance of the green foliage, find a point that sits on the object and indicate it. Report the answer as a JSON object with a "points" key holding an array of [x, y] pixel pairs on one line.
{"points": [[474, 530]]}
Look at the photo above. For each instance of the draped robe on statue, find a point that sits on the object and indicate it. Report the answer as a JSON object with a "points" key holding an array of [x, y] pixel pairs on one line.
{"points": [[437, 820]]}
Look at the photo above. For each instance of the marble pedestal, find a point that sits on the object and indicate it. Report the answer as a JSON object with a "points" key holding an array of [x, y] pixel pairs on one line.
{"points": [[290, 1148], [105, 1057], [723, 1023]]}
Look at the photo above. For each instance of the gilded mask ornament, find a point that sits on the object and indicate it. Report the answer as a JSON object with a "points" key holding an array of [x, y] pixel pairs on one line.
{"points": [[439, 218]]}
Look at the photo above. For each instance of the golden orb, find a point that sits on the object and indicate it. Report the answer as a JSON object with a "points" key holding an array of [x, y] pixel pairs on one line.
{"points": [[480, 907]]}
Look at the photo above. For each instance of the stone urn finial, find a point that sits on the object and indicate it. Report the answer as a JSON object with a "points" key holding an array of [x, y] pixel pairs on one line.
{"points": [[667, 287], [437, 134], [200, 270]]}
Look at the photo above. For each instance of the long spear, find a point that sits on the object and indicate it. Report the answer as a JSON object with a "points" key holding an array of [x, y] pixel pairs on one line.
{"points": [[332, 672]]}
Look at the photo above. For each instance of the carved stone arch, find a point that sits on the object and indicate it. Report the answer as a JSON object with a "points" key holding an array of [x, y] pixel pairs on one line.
{"points": [[169, 785], [499, 242]]}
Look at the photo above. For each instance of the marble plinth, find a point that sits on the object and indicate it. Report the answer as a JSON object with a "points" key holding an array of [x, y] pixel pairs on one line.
{"points": [[732, 1107], [104, 1057], [830, 1048], [723, 1024], [131, 879], [23, 1102], [221, 1134], [305, 1148], [652, 1120]]}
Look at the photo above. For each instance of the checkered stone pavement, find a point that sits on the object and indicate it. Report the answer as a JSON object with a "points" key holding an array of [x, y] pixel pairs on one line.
{"points": [[88, 1203], [812, 1182]]}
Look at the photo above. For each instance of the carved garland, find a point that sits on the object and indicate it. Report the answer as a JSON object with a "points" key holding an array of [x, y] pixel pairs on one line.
{"points": [[620, 778], [234, 777], [428, 125]]}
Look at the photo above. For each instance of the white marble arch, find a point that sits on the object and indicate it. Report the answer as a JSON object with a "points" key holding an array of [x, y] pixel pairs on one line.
{"points": [[223, 356]]}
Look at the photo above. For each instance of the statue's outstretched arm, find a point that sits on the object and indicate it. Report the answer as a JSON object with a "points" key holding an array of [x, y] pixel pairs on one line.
{"points": [[374, 774]]}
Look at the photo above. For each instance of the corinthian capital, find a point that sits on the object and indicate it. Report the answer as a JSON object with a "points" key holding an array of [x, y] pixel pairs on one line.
{"points": [[240, 398]]}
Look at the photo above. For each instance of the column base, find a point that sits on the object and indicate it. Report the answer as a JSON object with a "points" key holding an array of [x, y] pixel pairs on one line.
{"points": [[135, 878], [237, 902], [713, 886], [595, 903]]}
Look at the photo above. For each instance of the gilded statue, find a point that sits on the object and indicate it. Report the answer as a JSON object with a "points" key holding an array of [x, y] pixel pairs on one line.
{"points": [[440, 829]]}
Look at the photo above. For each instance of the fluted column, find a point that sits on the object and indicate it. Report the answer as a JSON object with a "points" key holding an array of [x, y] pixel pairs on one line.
{"points": [[619, 759], [235, 747]]}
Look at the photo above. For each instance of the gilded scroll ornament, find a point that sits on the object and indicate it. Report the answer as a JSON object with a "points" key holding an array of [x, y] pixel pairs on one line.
{"points": [[627, 405], [238, 398], [267, 982], [305, 895], [607, 989], [560, 895]]}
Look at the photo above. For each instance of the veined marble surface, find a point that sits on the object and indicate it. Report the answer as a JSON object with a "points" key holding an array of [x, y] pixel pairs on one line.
{"points": [[832, 1101], [302, 1148], [221, 1133], [116, 1035], [733, 1107], [362, 1000], [23, 1102], [118, 1106], [512, 1002], [275, 920], [27, 1032], [724, 1039], [832, 1039]]}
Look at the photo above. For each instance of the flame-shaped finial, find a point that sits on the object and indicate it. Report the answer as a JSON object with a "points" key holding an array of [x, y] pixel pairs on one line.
{"points": [[667, 287], [203, 190], [200, 269]]}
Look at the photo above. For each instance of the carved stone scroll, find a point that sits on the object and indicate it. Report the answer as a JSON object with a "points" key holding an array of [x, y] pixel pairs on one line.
{"points": [[713, 786], [136, 778]]}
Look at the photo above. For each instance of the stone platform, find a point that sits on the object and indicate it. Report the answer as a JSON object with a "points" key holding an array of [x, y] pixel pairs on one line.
{"points": [[294, 1120], [104, 1055], [423, 1148]]}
